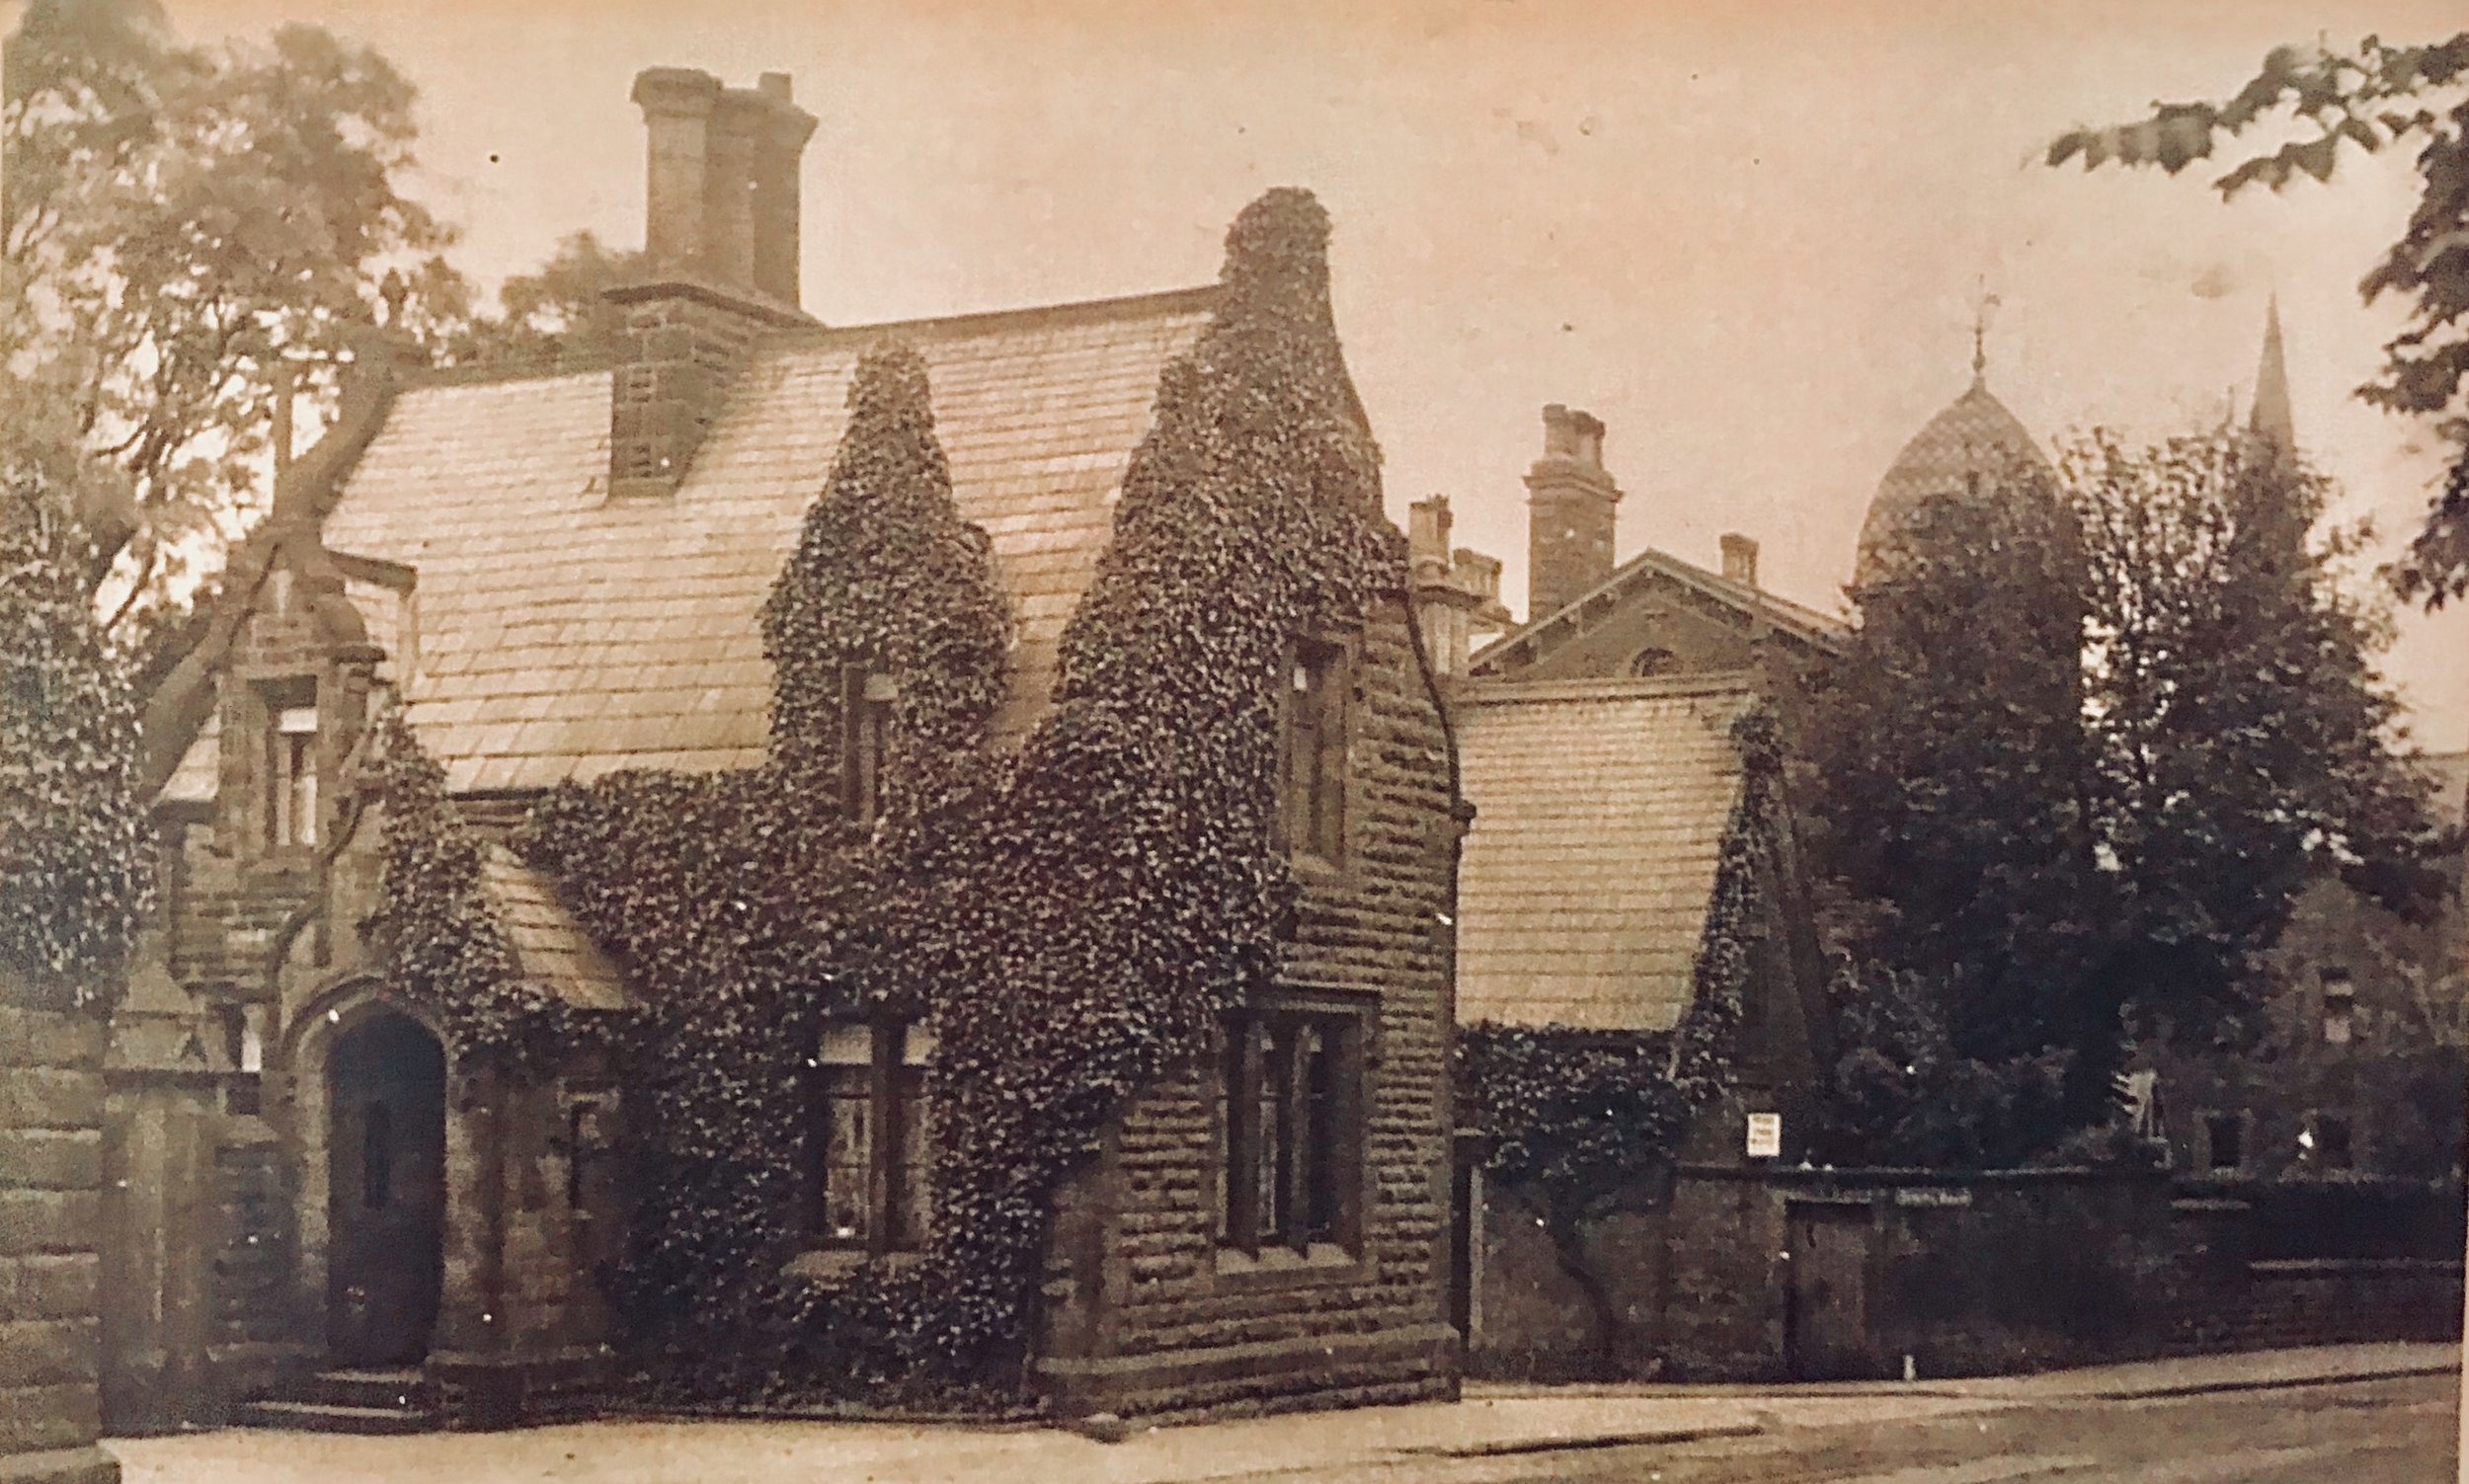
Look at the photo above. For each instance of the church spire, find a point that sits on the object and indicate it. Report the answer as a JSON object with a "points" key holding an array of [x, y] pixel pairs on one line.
{"points": [[2273, 419]]}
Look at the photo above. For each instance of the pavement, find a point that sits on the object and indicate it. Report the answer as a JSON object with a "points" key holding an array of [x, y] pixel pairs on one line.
{"points": [[1505, 1422]]}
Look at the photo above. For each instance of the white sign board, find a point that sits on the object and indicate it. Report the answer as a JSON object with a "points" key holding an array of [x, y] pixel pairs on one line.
{"points": [[1766, 1135]]}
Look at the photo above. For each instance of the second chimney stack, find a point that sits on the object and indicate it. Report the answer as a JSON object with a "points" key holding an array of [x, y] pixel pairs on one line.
{"points": [[1740, 559]]}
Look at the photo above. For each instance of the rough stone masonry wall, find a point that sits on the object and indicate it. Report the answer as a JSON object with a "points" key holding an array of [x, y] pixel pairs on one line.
{"points": [[1173, 1328], [51, 1214]]}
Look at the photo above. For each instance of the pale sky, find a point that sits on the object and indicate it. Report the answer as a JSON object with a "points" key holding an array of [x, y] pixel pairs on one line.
{"points": [[1747, 236]]}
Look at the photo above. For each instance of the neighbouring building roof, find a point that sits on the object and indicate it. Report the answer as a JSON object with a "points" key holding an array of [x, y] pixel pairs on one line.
{"points": [[1601, 810], [552, 950], [561, 635], [1794, 620]]}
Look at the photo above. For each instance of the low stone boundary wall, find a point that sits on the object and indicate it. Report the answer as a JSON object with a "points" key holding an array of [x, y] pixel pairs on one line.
{"points": [[1776, 1275], [2330, 1301]]}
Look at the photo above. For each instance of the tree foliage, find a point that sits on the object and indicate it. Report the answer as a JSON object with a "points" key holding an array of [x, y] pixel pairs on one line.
{"points": [[2246, 745], [554, 315], [2374, 98], [185, 229], [2094, 735], [76, 848], [1953, 770]]}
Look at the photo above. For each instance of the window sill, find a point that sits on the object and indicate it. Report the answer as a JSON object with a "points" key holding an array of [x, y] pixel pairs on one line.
{"points": [[1285, 1268]]}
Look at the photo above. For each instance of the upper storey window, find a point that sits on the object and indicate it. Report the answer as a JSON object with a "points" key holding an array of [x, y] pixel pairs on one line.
{"points": [[292, 777], [1319, 685], [866, 698]]}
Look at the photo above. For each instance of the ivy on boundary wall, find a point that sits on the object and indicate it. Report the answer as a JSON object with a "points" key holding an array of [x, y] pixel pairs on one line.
{"points": [[1068, 920]]}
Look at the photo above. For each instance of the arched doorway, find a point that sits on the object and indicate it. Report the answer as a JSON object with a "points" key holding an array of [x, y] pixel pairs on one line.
{"points": [[385, 1086]]}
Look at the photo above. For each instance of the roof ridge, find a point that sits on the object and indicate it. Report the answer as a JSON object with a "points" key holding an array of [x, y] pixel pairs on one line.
{"points": [[1734, 682], [1071, 311]]}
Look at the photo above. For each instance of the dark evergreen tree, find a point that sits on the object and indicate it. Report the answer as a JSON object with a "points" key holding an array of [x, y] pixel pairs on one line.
{"points": [[1954, 772], [76, 849]]}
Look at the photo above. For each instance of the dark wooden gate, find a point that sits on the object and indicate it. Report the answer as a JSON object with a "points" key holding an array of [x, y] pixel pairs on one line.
{"points": [[387, 1159], [1827, 1323]]}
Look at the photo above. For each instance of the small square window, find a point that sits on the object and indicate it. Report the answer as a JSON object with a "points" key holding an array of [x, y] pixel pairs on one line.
{"points": [[866, 700], [291, 773], [2224, 1140], [2339, 1007], [2329, 1142]]}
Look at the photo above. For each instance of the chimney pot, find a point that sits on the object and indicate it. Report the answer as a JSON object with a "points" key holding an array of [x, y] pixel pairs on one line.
{"points": [[776, 85], [1740, 559]]}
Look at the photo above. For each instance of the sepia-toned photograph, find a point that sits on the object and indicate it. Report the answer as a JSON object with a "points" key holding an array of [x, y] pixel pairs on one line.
{"points": [[1403, 742]]}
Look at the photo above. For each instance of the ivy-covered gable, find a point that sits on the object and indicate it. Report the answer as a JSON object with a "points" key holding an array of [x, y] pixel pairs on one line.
{"points": [[888, 583]]}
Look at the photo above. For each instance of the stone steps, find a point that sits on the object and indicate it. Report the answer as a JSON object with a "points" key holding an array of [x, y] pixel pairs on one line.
{"points": [[381, 1402]]}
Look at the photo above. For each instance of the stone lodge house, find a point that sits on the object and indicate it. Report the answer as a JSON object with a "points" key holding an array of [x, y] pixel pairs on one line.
{"points": [[558, 576]]}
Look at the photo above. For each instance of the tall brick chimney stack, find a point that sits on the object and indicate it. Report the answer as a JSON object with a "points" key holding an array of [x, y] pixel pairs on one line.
{"points": [[1570, 514], [720, 231], [1740, 559]]}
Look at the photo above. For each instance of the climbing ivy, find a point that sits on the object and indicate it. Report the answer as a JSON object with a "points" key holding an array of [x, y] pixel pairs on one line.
{"points": [[76, 849], [1068, 920], [1128, 887], [1583, 1124], [442, 943]]}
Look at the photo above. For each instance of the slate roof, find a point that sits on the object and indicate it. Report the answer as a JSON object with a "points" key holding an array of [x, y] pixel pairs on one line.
{"points": [[1601, 807], [553, 951], [2450, 774], [199, 776], [561, 636]]}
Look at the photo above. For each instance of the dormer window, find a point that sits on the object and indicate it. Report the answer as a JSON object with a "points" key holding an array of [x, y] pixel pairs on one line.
{"points": [[1319, 682], [292, 777], [866, 698]]}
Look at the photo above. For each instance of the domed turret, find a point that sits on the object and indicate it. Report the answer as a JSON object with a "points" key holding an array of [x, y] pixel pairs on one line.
{"points": [[1968, 447]]}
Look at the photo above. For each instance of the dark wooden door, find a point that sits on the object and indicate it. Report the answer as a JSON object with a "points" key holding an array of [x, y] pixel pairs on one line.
{"points": [[386, 1161], [1828, 1318]]}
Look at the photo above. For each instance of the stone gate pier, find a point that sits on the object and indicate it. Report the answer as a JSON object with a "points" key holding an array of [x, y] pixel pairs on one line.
{"points": [[50, 1219]]}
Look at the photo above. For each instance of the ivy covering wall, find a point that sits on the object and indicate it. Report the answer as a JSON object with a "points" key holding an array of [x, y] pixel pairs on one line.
{"points": [[1066, 921], [443, 942]]}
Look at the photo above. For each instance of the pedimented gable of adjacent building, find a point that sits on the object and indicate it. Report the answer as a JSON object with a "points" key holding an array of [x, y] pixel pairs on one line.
{"points": [[1657, 615]]}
